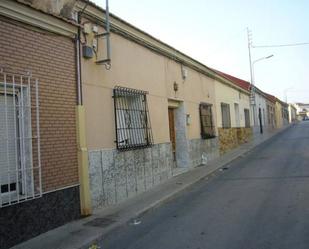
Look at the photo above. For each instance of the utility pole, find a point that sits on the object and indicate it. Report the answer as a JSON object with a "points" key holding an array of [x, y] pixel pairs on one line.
{"points": [[252, 94], [252, 97]]}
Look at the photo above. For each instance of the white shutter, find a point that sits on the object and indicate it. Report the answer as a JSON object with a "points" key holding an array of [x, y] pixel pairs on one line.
{"points": [[8, 141]]}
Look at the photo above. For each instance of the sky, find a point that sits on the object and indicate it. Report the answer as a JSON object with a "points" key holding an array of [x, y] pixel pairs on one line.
{"points": [[214, 32]]}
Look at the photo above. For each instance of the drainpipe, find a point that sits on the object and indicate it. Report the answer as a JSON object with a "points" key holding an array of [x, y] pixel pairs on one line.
{"points": [[83, 162]]}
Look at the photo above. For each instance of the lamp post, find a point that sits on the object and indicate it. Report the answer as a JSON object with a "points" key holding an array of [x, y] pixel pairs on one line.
{"points": [[252, 88], [286, 93]]}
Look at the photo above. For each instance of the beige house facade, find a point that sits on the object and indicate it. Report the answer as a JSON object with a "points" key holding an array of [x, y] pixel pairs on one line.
{"points": [[282, 113], [234, 117], [151, 116], [292, 114], [178, 99]]}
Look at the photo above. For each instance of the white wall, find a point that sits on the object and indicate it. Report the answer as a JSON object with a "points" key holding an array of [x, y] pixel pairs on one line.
{"points": [[260, 103]]}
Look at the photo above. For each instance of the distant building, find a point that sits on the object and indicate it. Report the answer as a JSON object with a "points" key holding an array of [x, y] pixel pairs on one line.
{"points": [[292, 113], [302, 110]]}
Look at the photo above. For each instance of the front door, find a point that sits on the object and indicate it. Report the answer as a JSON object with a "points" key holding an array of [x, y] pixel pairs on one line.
{"points": [[171, 120]]}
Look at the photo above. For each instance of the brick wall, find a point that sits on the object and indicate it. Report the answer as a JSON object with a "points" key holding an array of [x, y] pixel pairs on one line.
{"points": [[51, 59]]}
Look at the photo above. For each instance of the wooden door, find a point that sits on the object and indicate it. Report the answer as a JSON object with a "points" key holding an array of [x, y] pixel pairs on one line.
{"points": [[171, 120]]}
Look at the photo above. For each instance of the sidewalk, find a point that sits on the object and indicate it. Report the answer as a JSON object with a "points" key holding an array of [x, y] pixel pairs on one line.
{"points": [[83, 233]]}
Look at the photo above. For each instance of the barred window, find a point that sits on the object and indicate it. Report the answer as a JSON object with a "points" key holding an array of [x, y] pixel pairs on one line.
{"points": [[247, 118], [207, 127], [226, 118], [20, 167], [133, 128]]}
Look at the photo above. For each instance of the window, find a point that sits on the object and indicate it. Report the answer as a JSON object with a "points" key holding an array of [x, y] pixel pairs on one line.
{"points": [[133, 129], [237, 115], [247, 118], [20, 175], [226, 118], [269, 113], [207, 127], [8, 150]]}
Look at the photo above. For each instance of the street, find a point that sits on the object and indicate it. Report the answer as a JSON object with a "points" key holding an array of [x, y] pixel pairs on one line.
{"points": [[259, 201]]}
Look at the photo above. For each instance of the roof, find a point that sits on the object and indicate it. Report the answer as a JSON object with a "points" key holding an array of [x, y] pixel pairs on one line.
{"points": [[270, 97], [239, 82], [245, 85]]}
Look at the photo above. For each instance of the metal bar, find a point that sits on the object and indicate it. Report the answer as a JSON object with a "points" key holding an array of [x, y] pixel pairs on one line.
{"points": [[149, 123], [115, 116], [100, 62], [1, 177], [16, 140], [126, 121], [136, 135], [121, 121], [139, 124], [38, 134], [142, 123], [23, 152], [7, 138], [108, 46], [102, 35], [146, 119], [79, 85], [29, 140]]}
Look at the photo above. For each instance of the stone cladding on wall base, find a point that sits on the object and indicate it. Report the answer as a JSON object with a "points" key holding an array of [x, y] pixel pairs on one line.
{"points": [[230, 138], [118, 175]]}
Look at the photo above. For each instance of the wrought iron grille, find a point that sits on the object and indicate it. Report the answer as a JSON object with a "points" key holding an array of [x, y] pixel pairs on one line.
{"points": [[133, 127], [20, 163], [207, 127]]}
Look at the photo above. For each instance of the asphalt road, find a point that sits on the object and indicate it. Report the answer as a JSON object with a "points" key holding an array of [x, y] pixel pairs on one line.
{"points": [[260, 202]]}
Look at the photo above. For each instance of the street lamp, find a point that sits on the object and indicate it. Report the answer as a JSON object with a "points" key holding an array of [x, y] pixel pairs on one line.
{"points": [[255, 61], [286, 93], [252, 89]]}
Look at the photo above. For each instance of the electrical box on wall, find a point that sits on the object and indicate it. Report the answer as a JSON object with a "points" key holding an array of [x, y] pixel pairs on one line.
{"points": [[95, 29], [87, 52], [87, 28], [188, 119], [184, 72]]}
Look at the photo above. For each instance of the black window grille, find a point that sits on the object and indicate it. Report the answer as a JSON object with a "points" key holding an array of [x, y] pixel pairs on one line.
{"points": [[207, 127], [133, 128], [226, 117], [247, 118]]}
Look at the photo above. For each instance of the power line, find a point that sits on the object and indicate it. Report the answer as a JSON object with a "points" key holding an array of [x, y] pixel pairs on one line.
{"points": [[283, 45]]}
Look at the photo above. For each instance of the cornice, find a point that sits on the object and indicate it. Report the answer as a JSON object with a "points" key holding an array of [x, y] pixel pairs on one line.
{"points": [[25, 14]]}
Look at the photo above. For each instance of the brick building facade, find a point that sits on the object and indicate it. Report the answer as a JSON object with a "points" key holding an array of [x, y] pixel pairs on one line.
{"points": [[50, 58]]}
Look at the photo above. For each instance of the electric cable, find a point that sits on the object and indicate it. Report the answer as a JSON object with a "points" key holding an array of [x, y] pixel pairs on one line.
{"points": [[282, 45]]}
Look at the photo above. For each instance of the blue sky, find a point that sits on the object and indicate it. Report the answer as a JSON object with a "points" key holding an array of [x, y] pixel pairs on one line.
{"points": [[214, 32]]}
